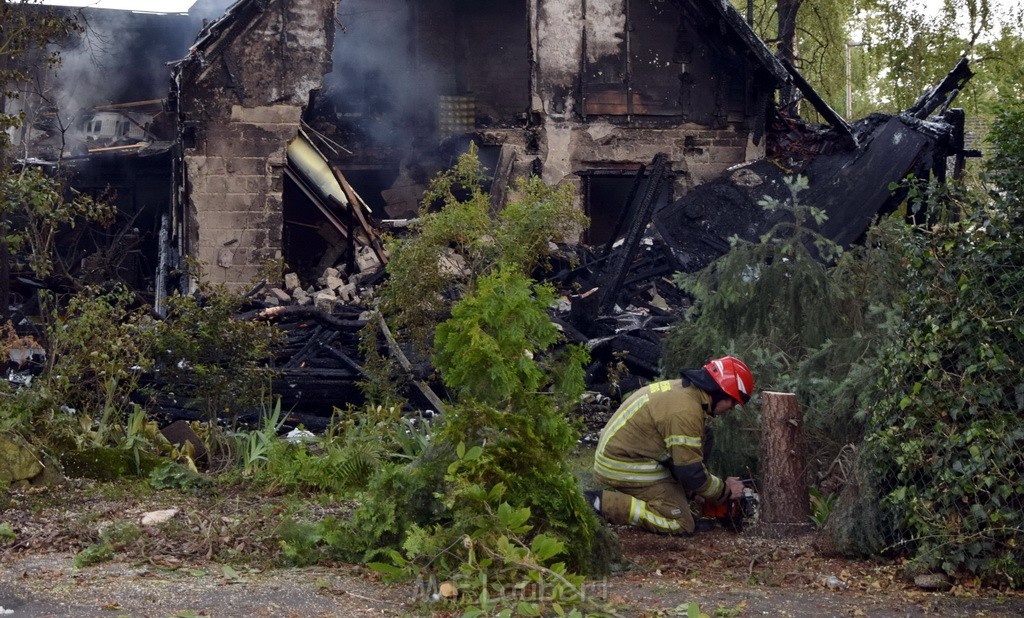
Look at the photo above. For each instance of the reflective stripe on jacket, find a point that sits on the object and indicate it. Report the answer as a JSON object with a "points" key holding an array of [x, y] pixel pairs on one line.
{"points": [[658, 426]]}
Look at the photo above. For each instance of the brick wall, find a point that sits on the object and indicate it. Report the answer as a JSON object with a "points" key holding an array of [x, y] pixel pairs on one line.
{"points": [[236, 185], [241, 98]]}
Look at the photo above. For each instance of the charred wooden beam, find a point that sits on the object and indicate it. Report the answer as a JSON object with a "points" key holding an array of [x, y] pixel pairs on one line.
{"points": [[400, 356], [354, 202], [944, 92], [624, 212], [276, 313], [829, 114], [319, 339], [344, 358], [617, 267]]}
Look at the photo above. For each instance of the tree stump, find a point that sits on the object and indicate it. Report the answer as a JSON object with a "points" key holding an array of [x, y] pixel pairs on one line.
{"points": [[784, 497]]}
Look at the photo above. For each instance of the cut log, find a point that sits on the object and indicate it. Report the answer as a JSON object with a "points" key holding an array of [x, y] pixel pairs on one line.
{"points": [[784, 497]]}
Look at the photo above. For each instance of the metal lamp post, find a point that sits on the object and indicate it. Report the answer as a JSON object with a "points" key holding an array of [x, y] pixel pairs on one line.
{"points": [[849, 86]]}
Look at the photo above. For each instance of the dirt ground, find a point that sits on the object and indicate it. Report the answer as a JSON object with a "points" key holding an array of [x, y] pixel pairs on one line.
{"points": [[195, 568]]}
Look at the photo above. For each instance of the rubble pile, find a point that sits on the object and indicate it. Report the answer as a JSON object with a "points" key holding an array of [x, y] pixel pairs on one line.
{"points": [[335, 286]]}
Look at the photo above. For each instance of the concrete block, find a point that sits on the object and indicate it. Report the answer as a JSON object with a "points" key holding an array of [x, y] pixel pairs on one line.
{"points": [[281, 295], [291, 283], [334, 283], [246, 166], [325, 301], [366, 259], [225, 257], [268, 114], [347, 292], [729, 156], [330, 271]]}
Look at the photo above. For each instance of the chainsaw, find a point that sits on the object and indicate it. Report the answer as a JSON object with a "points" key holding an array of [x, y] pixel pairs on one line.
{"points": [[732, 514]]}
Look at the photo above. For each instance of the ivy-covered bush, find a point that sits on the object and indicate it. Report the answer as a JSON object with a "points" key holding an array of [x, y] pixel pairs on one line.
{"points": [[951, 394]]}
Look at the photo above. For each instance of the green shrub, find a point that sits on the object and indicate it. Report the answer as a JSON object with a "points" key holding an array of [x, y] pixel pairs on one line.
{"points": [[802, 324], [513, 395], [172, 475], [217, 362], [98, 348], [94, 554], [950, 397], [33, 208], [465, 239]]}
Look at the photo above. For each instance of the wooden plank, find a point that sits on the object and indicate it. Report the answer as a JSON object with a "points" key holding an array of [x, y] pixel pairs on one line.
{"points": [[353, 202]]}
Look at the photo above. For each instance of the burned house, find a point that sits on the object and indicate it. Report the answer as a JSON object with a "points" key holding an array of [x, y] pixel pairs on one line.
{"points": [[292, 129], [580, 91], [298, 126]]}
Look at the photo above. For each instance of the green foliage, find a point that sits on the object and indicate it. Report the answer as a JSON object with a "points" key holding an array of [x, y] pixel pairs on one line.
{"points": [[218, 362], [821, 506], [384, 510], [503, 327], [98, 348], [93, 554], [490, 364], [760, 291], [377, 458], [113, 537], [463, 278], [465, 239], [7, 532], [800, 324], [33, 208], [383, 380], [950, 396], [495, 567], [171, 475], [258, 443], [823, 27]]}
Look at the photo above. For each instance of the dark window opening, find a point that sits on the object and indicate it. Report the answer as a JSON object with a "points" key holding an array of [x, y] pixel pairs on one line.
{"points": [[310, 242], [668, 64], [607, 195]]}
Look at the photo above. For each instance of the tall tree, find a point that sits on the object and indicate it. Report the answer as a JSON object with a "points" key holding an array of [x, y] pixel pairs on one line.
{"points": [[898, 48], [26, 34], [811, 35]]}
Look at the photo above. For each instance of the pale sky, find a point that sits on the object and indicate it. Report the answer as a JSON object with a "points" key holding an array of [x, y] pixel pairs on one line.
{"points": [[147, 6]]}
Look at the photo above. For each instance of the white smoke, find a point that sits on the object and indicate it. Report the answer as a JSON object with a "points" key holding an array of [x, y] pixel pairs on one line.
{"points": [[122, 56]]}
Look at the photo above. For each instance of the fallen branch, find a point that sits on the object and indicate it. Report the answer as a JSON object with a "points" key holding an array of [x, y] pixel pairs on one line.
{"points": [[753, 561], [400, 356]]}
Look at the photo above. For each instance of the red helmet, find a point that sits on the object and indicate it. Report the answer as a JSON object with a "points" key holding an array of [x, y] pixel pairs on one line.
{"points": [[733, 377]]}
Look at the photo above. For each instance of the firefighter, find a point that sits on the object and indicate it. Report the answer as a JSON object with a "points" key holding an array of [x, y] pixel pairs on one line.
{"points": [[652, 451]]}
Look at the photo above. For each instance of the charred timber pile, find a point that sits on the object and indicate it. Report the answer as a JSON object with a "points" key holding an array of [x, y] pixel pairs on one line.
{"points": [[319, 365]]}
